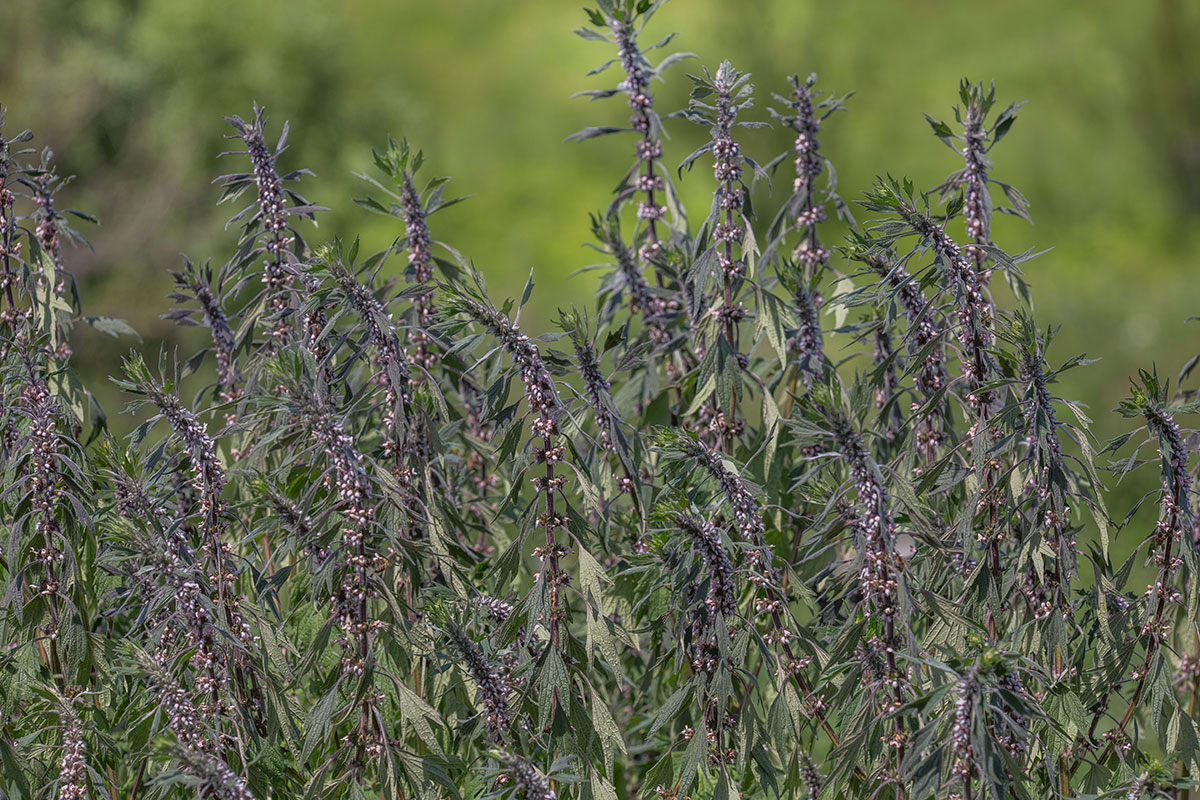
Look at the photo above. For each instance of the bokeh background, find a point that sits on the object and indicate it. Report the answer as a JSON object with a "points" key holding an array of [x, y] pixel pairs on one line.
{"points": [[131, 93]]}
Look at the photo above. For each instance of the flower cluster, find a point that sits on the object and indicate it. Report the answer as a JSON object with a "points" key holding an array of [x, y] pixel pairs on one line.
{"points": [[44, 487], [889, 384], [597, 390], [921, 315], [810, 777], [352, 487], [808, 342], [976, 205], [873, 522]]}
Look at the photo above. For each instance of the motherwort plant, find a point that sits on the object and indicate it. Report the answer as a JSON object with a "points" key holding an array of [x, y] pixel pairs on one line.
{"points": [[795, 510]]}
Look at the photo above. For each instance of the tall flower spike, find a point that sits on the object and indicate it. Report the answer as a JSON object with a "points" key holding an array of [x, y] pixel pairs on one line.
{"points": [[629, 280], [973, 310], [806, 208], [874, 535], [722, 595], [962, 729], [208, 483], [395, 369], [1044, 464], [10, 246], [1149, 401], [52, 231], [647, 179], [199, 754], [163, 563], [420, 256], [349, 602], [528, 782], [542, 397], [921, 338], [48, 221], [413, 206], [731, 94], [197, 284], [884, 359], [489, 679], [808, 343], [921, 315], [973, 143], [73, 775], [267, 230]]}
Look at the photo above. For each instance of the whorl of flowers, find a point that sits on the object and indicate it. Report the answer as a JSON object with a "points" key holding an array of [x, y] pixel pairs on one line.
{"points": [[722, 594], [216, 778], [528, 783], [497, 610], [181, 715], [493, 690], [1008, 726], [73, 774]]}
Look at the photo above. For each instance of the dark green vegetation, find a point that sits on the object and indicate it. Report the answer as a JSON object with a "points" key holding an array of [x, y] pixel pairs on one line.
{"points": [[791, 507]]}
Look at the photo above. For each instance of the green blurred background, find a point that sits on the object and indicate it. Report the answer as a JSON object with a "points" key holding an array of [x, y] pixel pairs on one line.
{"points": [[131, 94]]}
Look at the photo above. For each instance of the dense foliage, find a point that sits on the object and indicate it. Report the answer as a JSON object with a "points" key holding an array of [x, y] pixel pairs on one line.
{"points": [[777, 516]]}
